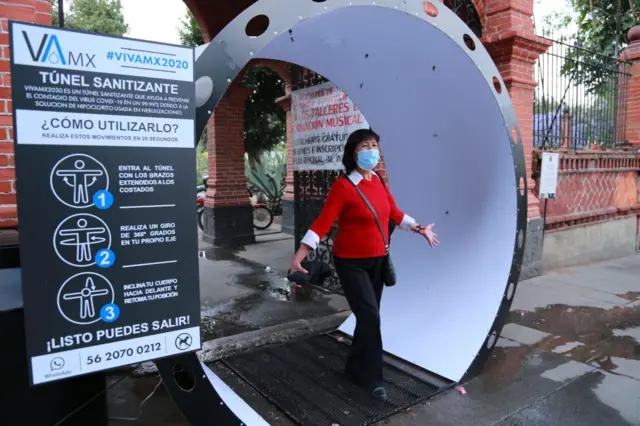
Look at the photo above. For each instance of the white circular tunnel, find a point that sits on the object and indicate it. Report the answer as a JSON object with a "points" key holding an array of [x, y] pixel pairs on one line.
{"points": [[450, 142]]}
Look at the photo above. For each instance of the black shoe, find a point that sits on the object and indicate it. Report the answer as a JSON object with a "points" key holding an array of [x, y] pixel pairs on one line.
{"points": [[380, 393]]}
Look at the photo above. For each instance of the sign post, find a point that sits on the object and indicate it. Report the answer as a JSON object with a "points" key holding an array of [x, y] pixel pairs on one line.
{"points": [[105, 160], [323, 118]]}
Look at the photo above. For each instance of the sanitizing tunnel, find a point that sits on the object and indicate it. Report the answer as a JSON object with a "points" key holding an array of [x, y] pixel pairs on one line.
{"points": [[454, 157]]}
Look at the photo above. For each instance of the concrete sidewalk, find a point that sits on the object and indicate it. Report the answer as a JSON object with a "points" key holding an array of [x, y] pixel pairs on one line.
{"points": [[570, 355]]}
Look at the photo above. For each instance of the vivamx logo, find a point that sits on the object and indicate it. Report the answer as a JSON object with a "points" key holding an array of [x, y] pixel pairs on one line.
{"points": [[49, 50]]}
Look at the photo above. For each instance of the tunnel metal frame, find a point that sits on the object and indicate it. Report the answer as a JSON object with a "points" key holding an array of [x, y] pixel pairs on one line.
{"points": [[219, 62]]}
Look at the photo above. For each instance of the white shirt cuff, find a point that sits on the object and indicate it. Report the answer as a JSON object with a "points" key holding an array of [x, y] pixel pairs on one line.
{"points": [[407, 222], [311, 239]]}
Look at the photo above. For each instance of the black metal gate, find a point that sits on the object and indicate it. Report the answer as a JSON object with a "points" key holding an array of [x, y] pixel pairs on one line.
{"points": [[310, 191]]}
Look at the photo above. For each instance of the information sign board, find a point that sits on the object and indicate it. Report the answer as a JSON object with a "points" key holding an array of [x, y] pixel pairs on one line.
{"points": [[549, 174], [105, 159]]}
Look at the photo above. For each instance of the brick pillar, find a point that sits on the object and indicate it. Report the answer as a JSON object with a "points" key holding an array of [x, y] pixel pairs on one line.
{"points": [[509, 37], [632, 109], [228, 217], [32, 11]]}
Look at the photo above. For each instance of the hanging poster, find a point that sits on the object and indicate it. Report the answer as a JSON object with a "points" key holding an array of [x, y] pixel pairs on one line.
{"points": [[323, 116]]}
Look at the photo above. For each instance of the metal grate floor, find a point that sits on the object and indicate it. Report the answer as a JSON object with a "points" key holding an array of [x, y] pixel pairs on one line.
{"points": [[305, 380]]}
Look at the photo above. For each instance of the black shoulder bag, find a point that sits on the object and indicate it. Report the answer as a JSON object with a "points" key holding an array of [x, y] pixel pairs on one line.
{"points": [[388, 270]]}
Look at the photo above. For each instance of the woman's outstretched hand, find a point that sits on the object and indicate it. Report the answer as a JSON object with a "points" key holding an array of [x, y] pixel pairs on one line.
{"points": [[427, 232]]}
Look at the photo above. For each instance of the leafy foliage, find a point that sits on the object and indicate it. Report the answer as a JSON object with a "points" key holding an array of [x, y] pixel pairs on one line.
{"points": [[264, 120], [597, 23], [96, 16], [602, 29], [202, 166], [189, 31], [267, 177]]}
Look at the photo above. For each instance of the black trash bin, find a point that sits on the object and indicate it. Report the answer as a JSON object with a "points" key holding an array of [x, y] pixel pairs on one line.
{"points": [[79, 401]]}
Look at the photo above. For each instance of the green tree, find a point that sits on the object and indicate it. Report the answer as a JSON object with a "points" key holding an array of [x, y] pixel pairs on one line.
{"points": [[189, 31], [96, 16], [264, 120], [602, 27], [602, 24]]}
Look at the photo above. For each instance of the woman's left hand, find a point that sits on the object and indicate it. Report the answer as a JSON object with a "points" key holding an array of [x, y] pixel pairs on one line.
{"points": [[427, 232]]}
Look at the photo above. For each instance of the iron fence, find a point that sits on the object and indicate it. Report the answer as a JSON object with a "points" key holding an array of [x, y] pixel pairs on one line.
{"points": [[581, 99]]}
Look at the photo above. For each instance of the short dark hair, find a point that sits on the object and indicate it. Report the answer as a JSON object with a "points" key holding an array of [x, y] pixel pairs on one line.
{"points": [[354, 139]]}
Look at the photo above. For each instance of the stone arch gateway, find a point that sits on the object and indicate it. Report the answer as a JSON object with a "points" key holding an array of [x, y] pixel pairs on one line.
{"points": [[453, 153]]}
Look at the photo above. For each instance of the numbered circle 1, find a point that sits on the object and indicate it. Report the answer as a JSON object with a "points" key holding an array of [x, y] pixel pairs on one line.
{"points": [[75, 177], [109, 312], [105, 258], [103, 199]]}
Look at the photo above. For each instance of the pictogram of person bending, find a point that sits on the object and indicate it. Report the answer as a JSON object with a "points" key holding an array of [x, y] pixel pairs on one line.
{"points": [[82, 238], [78, 179], [86, 295]]}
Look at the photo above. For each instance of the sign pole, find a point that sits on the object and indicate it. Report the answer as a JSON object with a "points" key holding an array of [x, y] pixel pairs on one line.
{"points": [[61, 13]]}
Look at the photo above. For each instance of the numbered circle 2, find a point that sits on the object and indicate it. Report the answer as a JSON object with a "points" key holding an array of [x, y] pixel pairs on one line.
{"points": [[109, 312], [75, 178], [79, 238], [103, 199], [105, 258], [81, 298]]}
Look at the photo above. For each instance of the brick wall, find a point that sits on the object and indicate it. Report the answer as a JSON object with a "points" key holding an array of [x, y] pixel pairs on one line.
{"points": [[593, 187], [34, 11]]}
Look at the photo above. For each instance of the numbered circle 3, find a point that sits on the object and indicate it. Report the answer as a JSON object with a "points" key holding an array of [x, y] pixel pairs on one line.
{"points": [[76, 178], [109, 312], [79, 238], [82, 297]]}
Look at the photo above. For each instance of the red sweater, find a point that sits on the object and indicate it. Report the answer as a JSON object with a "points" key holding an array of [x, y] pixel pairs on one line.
{"points": [[358, 234]]}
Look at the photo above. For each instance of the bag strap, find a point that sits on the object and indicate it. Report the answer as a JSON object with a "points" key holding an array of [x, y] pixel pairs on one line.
{"points": [[375, 215]]}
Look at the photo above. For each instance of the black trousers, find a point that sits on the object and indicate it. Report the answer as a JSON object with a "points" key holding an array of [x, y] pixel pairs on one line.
{"points": [[361, 281]]}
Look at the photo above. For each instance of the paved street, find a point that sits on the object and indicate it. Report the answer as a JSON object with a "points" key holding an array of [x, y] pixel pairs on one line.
{"points": [[569, 356]]}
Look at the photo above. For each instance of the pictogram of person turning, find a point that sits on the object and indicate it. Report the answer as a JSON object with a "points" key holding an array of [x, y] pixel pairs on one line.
{"points": [[86, 295], [78, 179], [82, 238]]}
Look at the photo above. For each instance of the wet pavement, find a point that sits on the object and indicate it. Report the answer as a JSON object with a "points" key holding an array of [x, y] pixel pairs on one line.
{"points": [[243, 295], [570, 355], [244, 289]]}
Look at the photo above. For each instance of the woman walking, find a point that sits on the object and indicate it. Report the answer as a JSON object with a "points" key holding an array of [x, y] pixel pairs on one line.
{"points": [[360, 249]]}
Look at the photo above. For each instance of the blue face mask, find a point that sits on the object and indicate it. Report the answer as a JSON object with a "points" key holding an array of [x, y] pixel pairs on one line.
{"points": [[369, 159]]}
